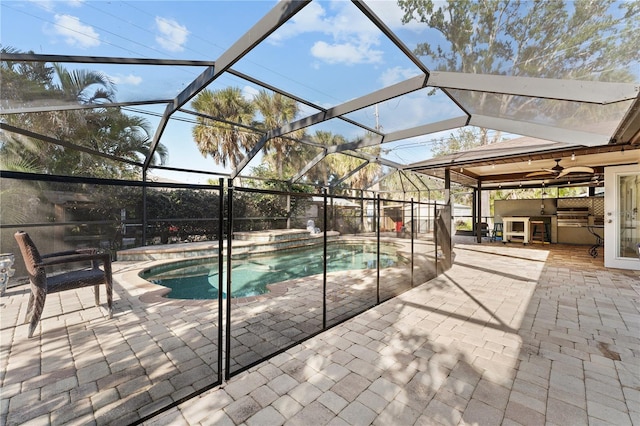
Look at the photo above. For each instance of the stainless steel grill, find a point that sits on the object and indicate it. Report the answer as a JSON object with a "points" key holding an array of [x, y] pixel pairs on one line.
{"points": [[574, 216]]}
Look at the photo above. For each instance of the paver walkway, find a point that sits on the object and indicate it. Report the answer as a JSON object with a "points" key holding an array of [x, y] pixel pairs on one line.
{"points": [[510, 335], [83, 368]]}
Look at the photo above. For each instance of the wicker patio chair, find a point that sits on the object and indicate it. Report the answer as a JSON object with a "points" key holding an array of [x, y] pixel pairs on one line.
{"points": [[43, 283]]}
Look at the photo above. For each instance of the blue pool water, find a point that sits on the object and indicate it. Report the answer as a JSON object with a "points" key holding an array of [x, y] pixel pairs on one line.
{"points": [[250, 276]]}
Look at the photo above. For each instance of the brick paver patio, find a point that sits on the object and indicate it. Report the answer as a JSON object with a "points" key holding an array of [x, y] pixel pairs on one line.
{"points": [[510, 335]]}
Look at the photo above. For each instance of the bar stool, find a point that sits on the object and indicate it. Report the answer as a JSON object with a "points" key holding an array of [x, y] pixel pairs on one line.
{"points": [[538, 232]]}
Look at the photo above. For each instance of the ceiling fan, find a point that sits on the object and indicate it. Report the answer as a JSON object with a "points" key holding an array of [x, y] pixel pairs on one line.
{"points": [[560, 171]]}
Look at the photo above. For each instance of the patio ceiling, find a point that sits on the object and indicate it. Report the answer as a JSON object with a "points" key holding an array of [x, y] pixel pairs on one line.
{"points": [[610, 108], [527, 162]]}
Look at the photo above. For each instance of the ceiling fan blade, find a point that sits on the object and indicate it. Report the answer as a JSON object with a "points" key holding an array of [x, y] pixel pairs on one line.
{"points": [[576, 169], [544, 173]]}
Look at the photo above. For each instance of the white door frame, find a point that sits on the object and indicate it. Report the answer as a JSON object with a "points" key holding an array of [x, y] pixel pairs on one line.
{"points": [[611, 217]]}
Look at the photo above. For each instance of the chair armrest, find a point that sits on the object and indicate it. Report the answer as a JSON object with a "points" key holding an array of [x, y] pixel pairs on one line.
{"points": [[76, 257], [69, 252]]}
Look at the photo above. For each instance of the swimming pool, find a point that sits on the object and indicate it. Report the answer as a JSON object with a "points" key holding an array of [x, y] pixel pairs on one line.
{"points": [[251, 275]]}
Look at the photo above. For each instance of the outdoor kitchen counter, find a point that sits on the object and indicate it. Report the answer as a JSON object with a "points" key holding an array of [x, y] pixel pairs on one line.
{"points": [[521, 233]]}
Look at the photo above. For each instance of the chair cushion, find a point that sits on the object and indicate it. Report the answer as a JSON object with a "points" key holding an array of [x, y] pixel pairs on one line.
{"points": [[75, 279]]}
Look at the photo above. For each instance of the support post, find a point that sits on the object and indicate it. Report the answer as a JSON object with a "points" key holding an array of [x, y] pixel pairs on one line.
{"points": [[362, 211], [145, 219], [447, 202], [447, 243], [378, 253], [324, 261], [227, 367], [220, 273], [412, 236], [479, 211]]}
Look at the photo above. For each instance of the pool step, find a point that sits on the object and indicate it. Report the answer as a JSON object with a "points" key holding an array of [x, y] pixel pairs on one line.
{"points": [[269, 236], [243, 242]]}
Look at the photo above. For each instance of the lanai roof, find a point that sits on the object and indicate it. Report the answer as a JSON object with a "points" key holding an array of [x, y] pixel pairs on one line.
{"points": [[524, 161], [422, 101]]}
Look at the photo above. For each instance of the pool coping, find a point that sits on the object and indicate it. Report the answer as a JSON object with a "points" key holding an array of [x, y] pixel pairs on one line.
{"points": [[210, 248], [155, 293]]}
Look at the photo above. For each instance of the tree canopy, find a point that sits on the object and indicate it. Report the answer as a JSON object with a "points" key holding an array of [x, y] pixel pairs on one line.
{"points": [[82, 134], [550, 39], [547, 39], [230, 126]]}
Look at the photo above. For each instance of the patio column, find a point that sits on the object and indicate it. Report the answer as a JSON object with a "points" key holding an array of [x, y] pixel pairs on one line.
{"points": [[227, 343], [447, 187], [145, 219], [474, 204], [448, 228], [479, 212], [362, 211]]}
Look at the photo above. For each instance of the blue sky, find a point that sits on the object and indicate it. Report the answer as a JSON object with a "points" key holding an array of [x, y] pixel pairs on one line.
{"points": [[328, 54]]}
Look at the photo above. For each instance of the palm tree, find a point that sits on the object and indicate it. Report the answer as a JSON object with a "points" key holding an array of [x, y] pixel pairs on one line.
{"points": [[106, 130], [75, 86], [113, 132], [323, 171], [339, 165], [277, 110], [344, 164], [217, 136], [126, 136], [22, 82]]}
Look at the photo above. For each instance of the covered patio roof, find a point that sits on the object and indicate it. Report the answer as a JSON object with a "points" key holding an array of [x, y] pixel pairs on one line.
{"points": [[529, 162]]}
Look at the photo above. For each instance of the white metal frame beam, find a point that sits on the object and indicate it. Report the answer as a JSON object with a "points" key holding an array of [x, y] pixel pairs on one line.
{"points": [[36, 57], [269, 23], [452, 123], [390, 92], [351, 173], [318, 158], [539, 131], [595, 92], [77, 106], [390, 35], [376, 159], [581, 91], [407, 86], [381, 178]]}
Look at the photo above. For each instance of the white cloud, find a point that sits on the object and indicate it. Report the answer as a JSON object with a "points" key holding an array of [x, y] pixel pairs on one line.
{"points": [[346, 53], [132, 80], [350, 37], [309, 19], [249, 92], [75, 33], [49, 5], [416, 109], [172, 35], [42, 4], [396, 75]]}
